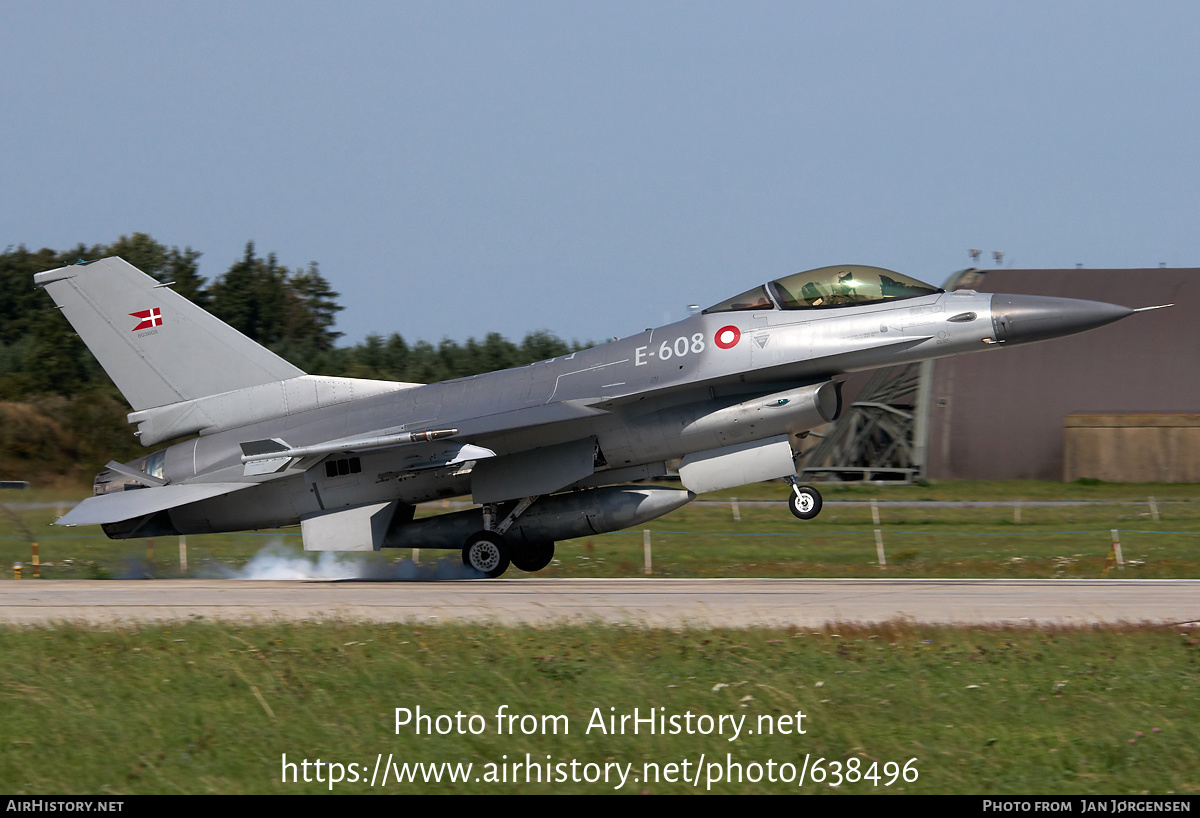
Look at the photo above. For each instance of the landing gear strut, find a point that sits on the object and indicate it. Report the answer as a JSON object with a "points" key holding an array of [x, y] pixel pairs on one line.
{"points": [[487, 552], [805, 501]]}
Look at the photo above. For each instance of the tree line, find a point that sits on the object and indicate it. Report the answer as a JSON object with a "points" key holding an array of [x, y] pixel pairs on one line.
{"points": [[290, 311]]}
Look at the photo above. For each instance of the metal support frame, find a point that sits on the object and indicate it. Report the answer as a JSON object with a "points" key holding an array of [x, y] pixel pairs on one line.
{"points": [[489, 515], [525, 503], [881, 435]]}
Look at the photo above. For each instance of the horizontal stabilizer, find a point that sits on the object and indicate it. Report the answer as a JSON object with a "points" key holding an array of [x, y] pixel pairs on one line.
{"points": [[127, 505]]}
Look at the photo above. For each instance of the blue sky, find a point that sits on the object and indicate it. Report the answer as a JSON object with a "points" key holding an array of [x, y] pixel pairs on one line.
{"points": [[593, 168]]}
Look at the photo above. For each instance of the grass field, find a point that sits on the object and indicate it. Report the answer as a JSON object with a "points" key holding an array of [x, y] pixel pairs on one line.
{"points": [[204, 708], [201, 707], [1159, 529]]}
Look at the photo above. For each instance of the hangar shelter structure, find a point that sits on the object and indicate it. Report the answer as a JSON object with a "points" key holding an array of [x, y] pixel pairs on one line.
{"points": [[1120, 403]]}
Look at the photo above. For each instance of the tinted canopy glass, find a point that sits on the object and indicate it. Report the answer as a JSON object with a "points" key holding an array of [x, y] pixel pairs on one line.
{"points": [[845, 285], [755, 299]]}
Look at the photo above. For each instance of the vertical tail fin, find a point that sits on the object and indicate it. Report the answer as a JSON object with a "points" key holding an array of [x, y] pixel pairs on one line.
{"points": [[158, 347]]}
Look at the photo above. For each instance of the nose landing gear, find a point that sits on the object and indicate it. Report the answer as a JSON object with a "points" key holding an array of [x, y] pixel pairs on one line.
{"points": [[805, 501]]}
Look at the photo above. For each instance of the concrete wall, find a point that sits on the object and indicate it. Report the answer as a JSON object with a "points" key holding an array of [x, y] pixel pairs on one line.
{"points": [[1132, 448]]}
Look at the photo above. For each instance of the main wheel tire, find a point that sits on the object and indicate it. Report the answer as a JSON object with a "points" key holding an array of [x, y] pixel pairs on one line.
{"points": [[532, 557], [486, 552], [805, 502]]}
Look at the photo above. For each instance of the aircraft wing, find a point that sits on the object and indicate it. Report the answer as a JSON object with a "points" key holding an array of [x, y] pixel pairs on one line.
{"points": [[126, 505]]}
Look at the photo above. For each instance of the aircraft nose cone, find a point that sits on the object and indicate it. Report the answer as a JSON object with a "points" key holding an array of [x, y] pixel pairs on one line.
{"points": [[1019, 319]]}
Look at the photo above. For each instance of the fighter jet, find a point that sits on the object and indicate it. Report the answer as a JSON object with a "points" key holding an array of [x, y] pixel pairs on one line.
{"points": [[547, 451]]}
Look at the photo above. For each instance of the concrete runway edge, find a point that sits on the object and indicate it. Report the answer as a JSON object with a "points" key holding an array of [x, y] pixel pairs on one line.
{"points": [[643, 602]]}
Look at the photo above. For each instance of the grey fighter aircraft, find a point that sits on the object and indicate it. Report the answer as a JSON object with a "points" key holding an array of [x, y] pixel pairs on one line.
{"points": [[548, 451]]}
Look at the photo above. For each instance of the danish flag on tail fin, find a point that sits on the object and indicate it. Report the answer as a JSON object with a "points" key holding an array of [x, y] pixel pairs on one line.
{"points": [[150, 318], [206, 356]]}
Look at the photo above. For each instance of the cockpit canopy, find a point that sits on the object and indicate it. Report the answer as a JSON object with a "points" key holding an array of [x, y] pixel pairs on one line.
{"points": [[828, 287]]}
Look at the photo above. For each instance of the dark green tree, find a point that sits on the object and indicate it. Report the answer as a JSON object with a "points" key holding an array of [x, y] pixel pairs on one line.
{"points": [[396, 359], [497, 352], [541, 346], [177, 266], [20, 303], [313, 310], [367, 360], [291, 312], [55, 360], [252, 298]]}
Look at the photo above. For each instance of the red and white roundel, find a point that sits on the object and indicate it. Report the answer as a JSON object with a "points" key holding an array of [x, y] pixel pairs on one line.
{"points": [[727, 337]]}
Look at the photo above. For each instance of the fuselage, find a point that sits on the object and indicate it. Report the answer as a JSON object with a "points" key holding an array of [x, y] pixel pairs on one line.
{"points": [[756, 367], [651, 386], [547, 451]]}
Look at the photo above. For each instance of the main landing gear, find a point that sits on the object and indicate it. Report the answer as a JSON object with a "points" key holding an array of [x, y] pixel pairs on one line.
{"points": [[486, 552], [531, 557], [805, 501], [489, 553]]}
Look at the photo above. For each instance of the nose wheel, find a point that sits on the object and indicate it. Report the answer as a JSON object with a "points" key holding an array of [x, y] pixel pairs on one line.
{"points": [[804, 502]]}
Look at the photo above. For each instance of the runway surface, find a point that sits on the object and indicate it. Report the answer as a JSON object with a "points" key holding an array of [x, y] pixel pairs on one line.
{"points": [[652, 602]]}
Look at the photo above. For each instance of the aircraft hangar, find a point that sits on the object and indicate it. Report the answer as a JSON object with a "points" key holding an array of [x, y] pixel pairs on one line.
{"points": [[1120, 403]]}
